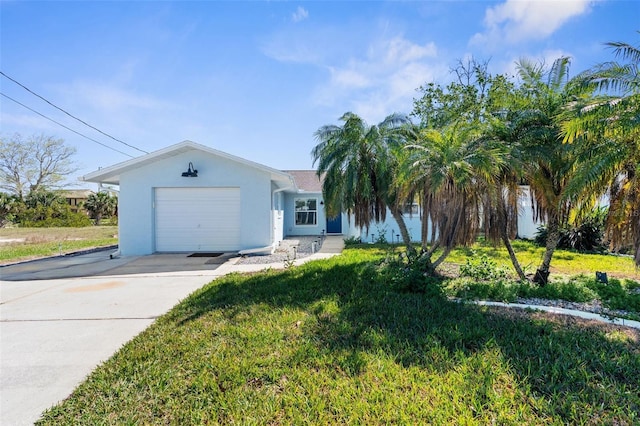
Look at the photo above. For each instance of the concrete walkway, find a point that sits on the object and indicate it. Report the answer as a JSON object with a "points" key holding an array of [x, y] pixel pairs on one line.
{"points": [[563, 311]]}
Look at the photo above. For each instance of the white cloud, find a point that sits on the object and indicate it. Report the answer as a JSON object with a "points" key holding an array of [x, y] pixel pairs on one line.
{"points": [[400, 50], [515, 21], [105, 97], [300, 14], [383, 81], [369, 77], [350, 78]]}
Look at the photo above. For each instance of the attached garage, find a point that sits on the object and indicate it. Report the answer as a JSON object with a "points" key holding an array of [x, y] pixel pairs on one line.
{"points": [[190, 198], [197, 219]]}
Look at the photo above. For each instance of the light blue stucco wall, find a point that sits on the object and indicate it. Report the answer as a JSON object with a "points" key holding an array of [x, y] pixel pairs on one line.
{"points": [[389, 227], [290, 228], [136, 213]]}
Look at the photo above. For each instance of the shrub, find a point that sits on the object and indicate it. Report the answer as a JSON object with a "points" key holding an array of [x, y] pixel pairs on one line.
{"points": [[586, 236], [482, 268], [352, 241], [500, 290], [573, 290], [70, 220], [406, 276], [44, 209], [617, 294], [381, 238]]}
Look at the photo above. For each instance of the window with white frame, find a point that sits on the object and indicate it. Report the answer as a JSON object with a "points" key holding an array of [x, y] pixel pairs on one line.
{"points": [[306, 211]]}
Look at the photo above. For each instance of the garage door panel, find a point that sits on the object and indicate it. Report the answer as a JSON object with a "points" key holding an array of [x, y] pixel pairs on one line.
{"points": [[197, 219]]}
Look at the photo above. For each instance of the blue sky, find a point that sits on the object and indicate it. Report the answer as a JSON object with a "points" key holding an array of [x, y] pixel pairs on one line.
{"points": [[257, 79]]}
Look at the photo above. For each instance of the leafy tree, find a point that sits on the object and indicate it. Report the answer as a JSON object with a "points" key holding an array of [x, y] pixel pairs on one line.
{"points": [[34, 164], [606, 130], [101, 205], [357, 161]]}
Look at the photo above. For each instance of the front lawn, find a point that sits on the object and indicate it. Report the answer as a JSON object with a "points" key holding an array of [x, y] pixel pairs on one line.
{"points": [[18, 244], [332, 342], [564, 262]]}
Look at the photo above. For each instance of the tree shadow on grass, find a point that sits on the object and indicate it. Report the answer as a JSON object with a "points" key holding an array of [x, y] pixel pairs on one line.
{"points": [[586, 374]]}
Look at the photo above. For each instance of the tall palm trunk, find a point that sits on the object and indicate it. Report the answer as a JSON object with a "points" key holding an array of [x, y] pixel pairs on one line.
{"points": [[512, 255], [506, 240], [447, 250], [452, 237], [406, 238], [553, 236]]}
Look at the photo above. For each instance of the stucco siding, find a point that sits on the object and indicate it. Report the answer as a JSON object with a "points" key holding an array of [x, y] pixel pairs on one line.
{"points": [[527, 226], [290, 226], [388, 229], [136, 218]]}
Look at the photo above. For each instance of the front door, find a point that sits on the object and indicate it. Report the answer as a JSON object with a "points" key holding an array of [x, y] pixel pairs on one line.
{"points": [[334, 225]]}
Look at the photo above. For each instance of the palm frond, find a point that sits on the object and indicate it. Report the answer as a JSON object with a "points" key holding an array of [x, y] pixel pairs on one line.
{"points": [[558, 73], [625, 50]]}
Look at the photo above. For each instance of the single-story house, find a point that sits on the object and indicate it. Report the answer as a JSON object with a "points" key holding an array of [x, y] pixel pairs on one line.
{"points": [[76, 198], [192, 198]]}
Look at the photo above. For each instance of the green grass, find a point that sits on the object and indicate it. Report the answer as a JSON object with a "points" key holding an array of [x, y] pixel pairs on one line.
{"points": [[43, 242], [564, 262], [331, 342], [486, 275]]}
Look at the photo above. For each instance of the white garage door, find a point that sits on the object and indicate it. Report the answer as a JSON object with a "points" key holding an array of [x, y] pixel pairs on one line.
{"points": [[197, 219]]}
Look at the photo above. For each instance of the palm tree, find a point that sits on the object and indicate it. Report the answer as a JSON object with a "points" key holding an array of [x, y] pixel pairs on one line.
{"points": [[483, 101], [451, 170], [606, 130], [500, 208], [9, 206], [100, 205], [549, 165], [358, 167]]}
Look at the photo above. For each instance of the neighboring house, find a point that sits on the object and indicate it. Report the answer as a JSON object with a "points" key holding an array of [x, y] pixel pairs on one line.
{"points": [[76, 198], [192, 198]]}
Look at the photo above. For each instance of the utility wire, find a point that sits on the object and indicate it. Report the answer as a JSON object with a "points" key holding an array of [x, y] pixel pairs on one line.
{"points": [[68, 128], [71, 115]]}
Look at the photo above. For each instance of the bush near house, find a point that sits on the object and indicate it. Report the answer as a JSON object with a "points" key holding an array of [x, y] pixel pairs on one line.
{"points": [[41, 209], [586, 235]]}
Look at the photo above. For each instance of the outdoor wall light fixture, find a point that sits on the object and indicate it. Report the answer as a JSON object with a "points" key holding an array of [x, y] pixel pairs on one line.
{"points": [[191, 172]]}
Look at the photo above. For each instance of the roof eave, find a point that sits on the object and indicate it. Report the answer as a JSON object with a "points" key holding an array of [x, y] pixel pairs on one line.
{"points": [[111, 175]]}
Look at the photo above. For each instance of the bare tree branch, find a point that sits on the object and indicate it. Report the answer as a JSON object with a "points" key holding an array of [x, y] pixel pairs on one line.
{"points": [[36, 163]]}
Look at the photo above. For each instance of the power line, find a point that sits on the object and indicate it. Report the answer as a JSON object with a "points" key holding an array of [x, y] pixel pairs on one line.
{"points": [[71, 115], [68, 128]]}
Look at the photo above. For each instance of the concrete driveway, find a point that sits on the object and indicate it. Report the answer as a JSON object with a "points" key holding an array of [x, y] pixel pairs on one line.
{"points": [[61, 317]]}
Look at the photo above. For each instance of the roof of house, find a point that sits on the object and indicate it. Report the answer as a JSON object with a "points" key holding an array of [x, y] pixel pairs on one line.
{"points": [[76, 193], [111, 175], [306, 180]]}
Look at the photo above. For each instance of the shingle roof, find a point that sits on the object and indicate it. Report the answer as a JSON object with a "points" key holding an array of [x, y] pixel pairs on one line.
{"points": [[306, 180]]}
